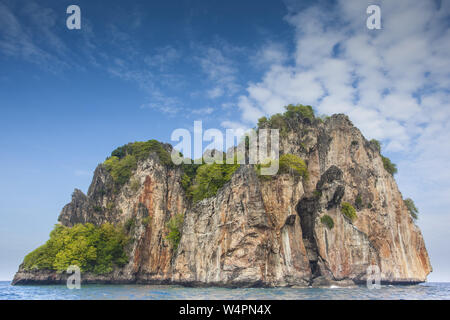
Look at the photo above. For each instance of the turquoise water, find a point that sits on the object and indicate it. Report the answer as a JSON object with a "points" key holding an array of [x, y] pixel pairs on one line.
{"points": [[153, 292]]}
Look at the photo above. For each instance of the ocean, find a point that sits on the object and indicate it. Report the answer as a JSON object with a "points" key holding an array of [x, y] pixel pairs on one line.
{"points": [[424, 291]]}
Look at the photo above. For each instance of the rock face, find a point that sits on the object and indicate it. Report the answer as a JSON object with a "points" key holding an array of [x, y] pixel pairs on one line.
{"points": [[259, 232]]}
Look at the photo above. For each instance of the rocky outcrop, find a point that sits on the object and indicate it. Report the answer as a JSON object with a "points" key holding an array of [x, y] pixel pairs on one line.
{"points": [[261, 232], [246, 236]]}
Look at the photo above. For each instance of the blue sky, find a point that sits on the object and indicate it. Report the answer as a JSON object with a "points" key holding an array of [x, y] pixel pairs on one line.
{"points": [[137, 70]]}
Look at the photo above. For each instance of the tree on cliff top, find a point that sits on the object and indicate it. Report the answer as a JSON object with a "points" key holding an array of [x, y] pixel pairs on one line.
{"points": [[389, 165], [412, 208], [282, 121]]}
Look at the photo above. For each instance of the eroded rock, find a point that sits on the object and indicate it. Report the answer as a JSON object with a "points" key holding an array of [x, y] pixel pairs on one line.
{"points": [[258, 232]]}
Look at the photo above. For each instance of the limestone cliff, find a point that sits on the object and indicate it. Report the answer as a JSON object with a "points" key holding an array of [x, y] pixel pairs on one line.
{"points": [[261, 232]]}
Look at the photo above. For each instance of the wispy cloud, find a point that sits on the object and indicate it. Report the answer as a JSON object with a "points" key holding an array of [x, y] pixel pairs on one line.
{"points": [[215, 92], [220, 70], [112, 49], [18, 41], [163, 57], [164, 104], [150, 80], [30, 32], [271, 53]]}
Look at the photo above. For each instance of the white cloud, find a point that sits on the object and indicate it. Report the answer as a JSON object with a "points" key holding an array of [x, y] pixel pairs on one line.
{"points": [[163, 57], [237, 128], [164, 104], [215, 92], [393, 83], [375, 76], [271, 53], [249, 111], [228, 105], [234, 125], [279, 87], [220, 70]]}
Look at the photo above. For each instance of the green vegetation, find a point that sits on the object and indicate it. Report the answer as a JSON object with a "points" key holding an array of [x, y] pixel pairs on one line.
{"points": [[358, 201], [288, 163], [110, 206], [328, 221], [121, 170], [389, 166], [323, 118], [262, 122], [130, 224], [175, 225], [123, 160], [141, 151], [209, 178], [317, 194], [348, 210], [201, 181], [299, 111], [387, 163], [412, 208], [146, 220], [186, 181], [188, 177], [93, 249], [377, 144], [281, 121], [277, 121], [263, 165], [135, 185]]}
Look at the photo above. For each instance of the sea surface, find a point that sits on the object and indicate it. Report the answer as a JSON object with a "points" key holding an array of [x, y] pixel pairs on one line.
{"points": [[430, 291]]}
